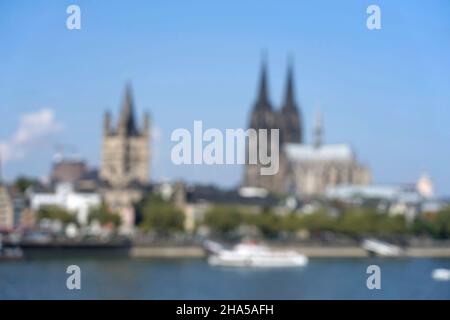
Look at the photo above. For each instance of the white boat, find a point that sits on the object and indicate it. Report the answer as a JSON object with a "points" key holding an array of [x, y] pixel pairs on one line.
{"points": [[253, 255], [382, 249], [441, 274], [212, 247]]}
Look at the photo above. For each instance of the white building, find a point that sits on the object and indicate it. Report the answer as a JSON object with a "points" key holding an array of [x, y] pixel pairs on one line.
{"points": [[425, 186], [395, 199], [65, 197], [314, 168]]}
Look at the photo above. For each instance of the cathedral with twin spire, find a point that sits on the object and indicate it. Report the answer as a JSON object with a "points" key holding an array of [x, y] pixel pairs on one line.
{"points": [[304, 169]]}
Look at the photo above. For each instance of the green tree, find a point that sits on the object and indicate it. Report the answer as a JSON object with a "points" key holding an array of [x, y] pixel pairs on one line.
{"points": [[160, 215], [22, 183], [268, 223], [436, 225], [441, 224], [56, 213], [317, 221], [422, 226], [358, 221], [223, 219], [392, 225], [290, 222], [104, 216]]}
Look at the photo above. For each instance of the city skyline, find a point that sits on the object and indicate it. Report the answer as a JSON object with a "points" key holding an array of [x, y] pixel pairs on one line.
{"points": [[384, 91]]}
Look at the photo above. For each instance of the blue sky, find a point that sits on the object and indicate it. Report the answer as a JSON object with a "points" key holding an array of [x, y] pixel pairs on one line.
{"points": [[386, 92]]}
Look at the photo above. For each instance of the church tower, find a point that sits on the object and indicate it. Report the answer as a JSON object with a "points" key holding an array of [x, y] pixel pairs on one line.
{"points": [[287, 120], [125, 150], [289, 117], [262, 117]]}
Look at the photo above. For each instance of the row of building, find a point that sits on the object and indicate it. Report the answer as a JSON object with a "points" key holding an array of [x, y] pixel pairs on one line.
{"points": [[306, 171], [409, 200]]}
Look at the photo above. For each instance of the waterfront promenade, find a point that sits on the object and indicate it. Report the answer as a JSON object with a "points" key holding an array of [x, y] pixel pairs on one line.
{"points": [[315, 251]]}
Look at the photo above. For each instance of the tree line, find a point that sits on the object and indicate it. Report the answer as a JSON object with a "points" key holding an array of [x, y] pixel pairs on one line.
{"points": [[155, 214]]}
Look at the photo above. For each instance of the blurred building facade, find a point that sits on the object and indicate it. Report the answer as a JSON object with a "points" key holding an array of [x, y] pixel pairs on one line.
{"points": [[64, 196], [313, 168], [6, 209], [68, 170], [264, 116], [124, 170], [304, 170]]}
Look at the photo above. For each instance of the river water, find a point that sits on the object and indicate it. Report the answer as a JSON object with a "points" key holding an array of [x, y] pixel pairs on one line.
{"points": [[122, 278]]}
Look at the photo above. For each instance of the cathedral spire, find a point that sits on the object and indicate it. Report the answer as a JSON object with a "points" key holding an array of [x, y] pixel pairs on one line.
{"points": [[263, 95], [289, 99], [127, 124], [125, 152], [290, 117]]}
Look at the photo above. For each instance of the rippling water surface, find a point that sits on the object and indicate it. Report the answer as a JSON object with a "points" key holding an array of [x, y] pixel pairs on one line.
{"points": [[116, 278]]}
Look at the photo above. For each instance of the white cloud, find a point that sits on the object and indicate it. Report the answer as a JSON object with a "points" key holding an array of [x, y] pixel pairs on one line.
{"points": [[34, 128]]}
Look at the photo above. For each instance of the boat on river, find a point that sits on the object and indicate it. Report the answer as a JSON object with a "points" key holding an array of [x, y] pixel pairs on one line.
{"points": [[254, 255], [441, 274]]}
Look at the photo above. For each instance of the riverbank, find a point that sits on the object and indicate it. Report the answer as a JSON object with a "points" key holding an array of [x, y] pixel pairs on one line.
{"points": [[310, 251], [193, 249], [167, 252]]}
